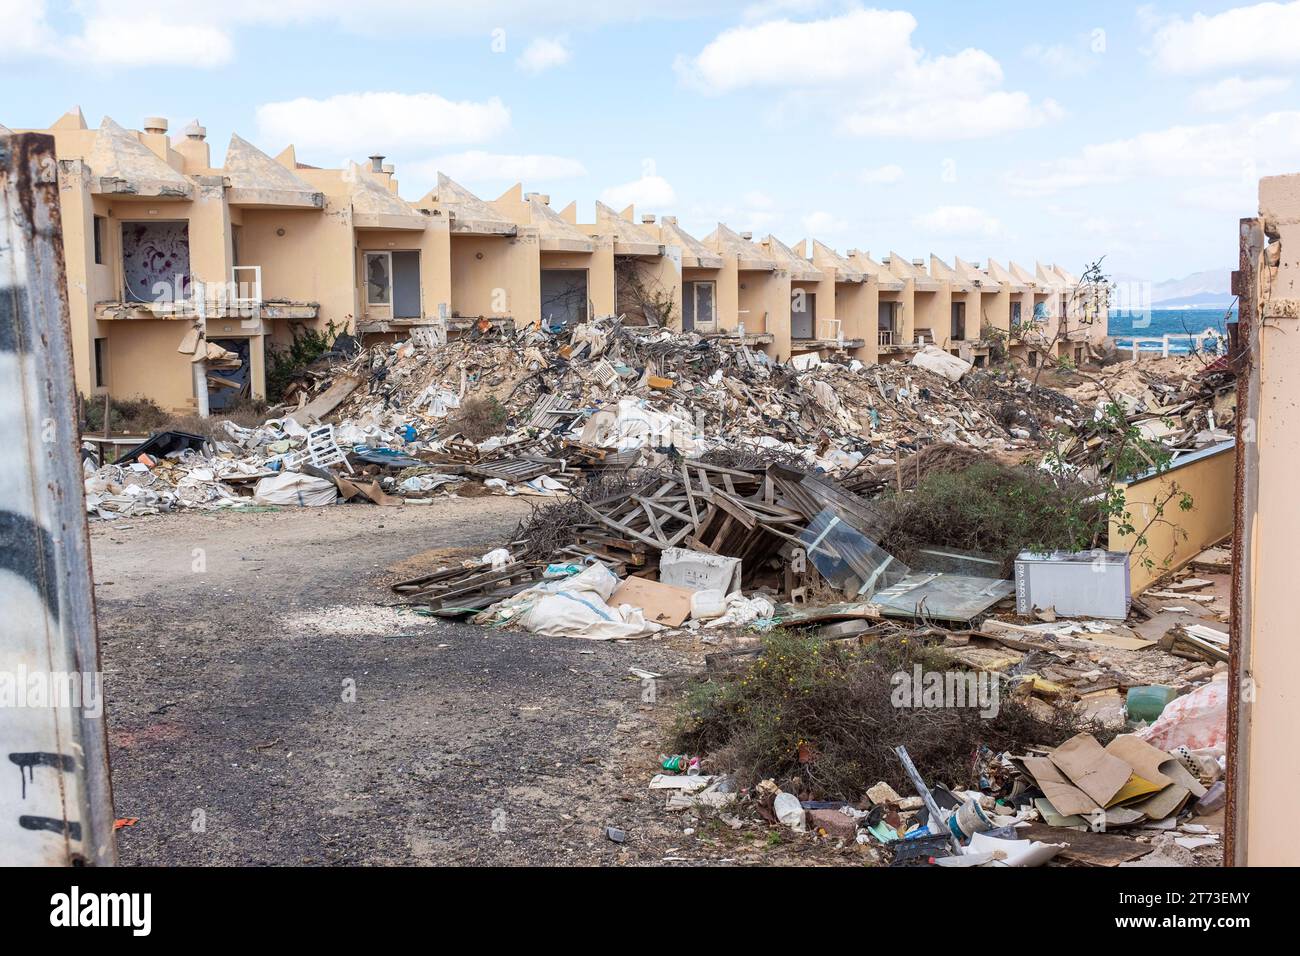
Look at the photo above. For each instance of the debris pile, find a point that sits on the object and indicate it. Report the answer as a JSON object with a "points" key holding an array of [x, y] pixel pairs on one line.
{"points": [[596, 397], [1121, 762], [1182, 403]]}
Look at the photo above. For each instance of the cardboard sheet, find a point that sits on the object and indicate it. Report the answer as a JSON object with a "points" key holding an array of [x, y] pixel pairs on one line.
{"points": [[1068, 799], [662, 603], [1090, 768]]}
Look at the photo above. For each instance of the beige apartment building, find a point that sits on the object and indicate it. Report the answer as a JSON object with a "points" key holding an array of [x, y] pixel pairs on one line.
{"points": [[182, 276]]}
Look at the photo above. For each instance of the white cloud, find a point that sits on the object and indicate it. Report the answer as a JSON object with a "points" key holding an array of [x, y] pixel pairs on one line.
{"points": [[1262, 35], [1234, 93], [476, 166], [110, 38], [878, 175], [822, 223], [889, 87], [1062, 59], [116, 41], [355, 124], [200, 33], [815, 53], [543, 54], [650, 191], [1217, 156], [959, 222], [26, 32]]}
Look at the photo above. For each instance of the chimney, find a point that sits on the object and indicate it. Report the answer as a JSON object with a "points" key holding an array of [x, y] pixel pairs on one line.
{"points": [[542, 198], [389, 168], [919, 263], [376, 163], [648, 219], [155, 124], [193, 147], [747, 236]]}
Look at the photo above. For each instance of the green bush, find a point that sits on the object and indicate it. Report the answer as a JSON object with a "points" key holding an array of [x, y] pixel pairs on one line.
{"points": [[993, 509], [284, 363]]}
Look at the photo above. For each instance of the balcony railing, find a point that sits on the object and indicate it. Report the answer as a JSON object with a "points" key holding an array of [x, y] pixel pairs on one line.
{"points": [[885, 337]]}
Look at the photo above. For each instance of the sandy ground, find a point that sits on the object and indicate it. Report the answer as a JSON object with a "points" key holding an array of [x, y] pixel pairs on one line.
{"points": [[266, 706]]}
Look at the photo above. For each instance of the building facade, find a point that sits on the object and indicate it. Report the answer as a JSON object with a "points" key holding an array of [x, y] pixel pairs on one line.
{"points": [[182, 277]]}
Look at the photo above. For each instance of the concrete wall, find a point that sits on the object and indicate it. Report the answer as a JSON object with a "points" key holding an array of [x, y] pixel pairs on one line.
{"points": [[764, 305], [495, 276], [856, 308], [1264, 713], [1176, 536], [325, 276], [144, 363]]}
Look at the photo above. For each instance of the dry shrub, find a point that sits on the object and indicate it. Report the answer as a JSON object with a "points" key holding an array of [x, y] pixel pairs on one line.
{"points": [[823, 713], [479, 419], [135, 416], [550, 526]]}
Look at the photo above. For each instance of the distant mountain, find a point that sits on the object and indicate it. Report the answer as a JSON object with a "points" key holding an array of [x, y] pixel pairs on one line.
{"points": [[1200, 288], [1208, 289]]}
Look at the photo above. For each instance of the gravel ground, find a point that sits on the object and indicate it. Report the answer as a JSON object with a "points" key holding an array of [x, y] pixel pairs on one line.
{"points": [[266, 706]]}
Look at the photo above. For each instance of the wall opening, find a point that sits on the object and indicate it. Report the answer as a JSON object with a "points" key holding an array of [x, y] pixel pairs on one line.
{"points": [[699, 310], [228, 386], [564, 297], [156, 261], [101, 362], [887, 322], [803, 314], [958, 331]]}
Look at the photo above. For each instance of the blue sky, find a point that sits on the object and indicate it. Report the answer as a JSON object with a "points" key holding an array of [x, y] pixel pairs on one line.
{"points": [[1003, 130]]}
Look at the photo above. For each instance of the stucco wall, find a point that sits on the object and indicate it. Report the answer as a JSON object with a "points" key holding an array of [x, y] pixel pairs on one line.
{"points": [[144, 363], [1177, 536]]}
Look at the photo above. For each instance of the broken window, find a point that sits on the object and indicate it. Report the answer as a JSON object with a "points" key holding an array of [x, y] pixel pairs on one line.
{"points": [[156, 261], [887, 322], [99, 224], [803, 314], [379, 278], [101, 362], [564, 297], [698, 306], [958, 321]]}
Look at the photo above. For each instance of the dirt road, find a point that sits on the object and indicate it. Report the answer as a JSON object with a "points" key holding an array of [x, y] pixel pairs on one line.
{"points": [[264, 708]]}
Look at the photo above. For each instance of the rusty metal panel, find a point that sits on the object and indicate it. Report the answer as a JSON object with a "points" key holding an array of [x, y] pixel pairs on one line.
{"points": [[55, 797], [1245, 359]]}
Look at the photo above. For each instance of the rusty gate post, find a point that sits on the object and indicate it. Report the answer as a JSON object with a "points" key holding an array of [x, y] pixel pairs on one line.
{"points": [[57, 808]]}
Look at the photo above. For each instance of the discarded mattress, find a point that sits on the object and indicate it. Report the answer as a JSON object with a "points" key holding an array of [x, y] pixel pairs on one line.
{"points": [[292, 488]]}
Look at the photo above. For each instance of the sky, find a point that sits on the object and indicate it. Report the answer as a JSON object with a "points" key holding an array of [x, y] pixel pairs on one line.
{"points": [[1027, 131]]}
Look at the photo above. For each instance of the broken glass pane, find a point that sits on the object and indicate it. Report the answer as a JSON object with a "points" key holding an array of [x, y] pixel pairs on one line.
{"points": [[378, 281], [848, 559]]}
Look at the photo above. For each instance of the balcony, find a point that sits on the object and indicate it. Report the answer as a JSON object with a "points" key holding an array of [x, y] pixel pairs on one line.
{"points": [[240, 298]]}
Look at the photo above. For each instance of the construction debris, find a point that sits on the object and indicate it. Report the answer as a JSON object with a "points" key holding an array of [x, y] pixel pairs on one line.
{"points": [[597, 397]]}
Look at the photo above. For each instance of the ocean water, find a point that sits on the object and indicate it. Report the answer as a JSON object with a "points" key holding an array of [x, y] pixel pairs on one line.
{"points": [[1179, 324]]}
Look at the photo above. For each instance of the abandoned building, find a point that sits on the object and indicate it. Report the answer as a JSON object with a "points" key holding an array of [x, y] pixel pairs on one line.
{"points": [[161, 246]]}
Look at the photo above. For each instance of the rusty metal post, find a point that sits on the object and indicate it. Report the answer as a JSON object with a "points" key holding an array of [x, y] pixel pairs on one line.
{"points": [[56, 808]]}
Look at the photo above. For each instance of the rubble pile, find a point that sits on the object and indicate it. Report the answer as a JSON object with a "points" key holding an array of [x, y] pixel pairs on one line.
{"points": [[598, 396], [1135, 777], [1183, 403]]}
